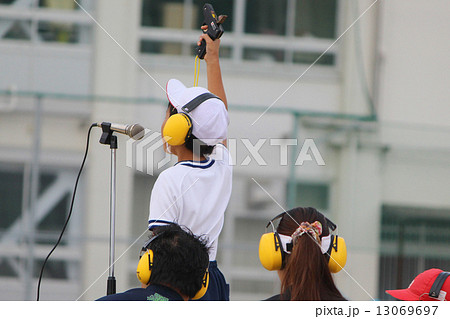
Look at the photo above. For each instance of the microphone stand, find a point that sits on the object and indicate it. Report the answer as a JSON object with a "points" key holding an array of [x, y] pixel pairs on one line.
{"points": [[108, 138]]}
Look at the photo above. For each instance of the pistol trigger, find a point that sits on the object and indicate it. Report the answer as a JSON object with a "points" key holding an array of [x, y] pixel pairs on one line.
{"points": [[204, 31]]}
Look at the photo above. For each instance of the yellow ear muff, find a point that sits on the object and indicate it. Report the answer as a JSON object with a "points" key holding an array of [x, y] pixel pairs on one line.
{"points": [[205, 284], [270, 251], [177, 129], [144, 267], [337, 254]]}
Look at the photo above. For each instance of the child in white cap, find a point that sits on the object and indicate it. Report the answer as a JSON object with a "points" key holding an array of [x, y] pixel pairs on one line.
{"points": [[195, 192]]}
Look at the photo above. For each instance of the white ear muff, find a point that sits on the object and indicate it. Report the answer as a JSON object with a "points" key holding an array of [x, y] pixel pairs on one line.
{"points": [[326, 242], [286, 243]]}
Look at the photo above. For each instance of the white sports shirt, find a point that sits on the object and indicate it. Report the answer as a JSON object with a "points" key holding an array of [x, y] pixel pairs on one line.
{"points": [[195, 195]]}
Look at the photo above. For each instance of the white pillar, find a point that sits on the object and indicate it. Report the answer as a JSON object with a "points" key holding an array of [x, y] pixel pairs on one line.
{"points": [[114, 74], [358, 217], [358, 195], [357, 56]]}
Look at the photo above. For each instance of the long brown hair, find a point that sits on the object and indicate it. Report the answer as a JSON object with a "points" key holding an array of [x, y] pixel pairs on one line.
{"points": [[306, 273]]}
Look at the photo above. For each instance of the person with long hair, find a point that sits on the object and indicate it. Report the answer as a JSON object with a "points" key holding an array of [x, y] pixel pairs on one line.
{"points": [[304, 272]]}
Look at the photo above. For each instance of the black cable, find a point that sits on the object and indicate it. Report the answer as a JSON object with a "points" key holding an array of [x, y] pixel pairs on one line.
{"points": [[70, 212]]}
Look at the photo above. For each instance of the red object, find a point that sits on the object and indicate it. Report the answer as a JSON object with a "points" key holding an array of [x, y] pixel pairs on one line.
{"points": [[420, 288]]}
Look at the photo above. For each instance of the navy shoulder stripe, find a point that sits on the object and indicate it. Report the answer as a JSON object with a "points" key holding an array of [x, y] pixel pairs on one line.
{"points": [[195, 165]]}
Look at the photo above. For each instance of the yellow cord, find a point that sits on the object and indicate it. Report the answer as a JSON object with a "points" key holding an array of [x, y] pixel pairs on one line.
{"points": [[197, 70]]}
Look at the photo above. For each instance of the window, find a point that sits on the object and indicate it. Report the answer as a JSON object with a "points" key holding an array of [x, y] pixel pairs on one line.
{"points": [[284, 31], [313, 18], [53, 200], [179, 14], [316, 18], [167, 14], [172, 20], [265, 17], [48, 224], [12, 189], [312, 195], [412, 241], [45, 21]]}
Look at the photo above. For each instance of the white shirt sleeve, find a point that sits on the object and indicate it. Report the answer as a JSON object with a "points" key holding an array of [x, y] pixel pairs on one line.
{"points": [[163, 202]]}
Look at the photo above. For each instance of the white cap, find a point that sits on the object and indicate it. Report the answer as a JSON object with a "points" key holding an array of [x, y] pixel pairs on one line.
{"points": [[209, 120]]}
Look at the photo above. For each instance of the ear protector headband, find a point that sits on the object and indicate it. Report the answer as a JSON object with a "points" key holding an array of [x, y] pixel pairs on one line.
{"points": [[145, 265], [273, 248], [178, 127], [438, 283]]}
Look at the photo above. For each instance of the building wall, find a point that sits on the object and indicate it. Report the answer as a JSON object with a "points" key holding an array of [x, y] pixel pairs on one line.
{"points": [[413, 103]]}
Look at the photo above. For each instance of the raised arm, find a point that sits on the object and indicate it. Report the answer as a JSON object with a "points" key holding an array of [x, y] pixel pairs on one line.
{"points": [[214, 75]]}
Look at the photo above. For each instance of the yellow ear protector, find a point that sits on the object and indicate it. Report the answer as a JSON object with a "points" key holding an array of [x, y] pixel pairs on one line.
{"points": [[335, 250], [205, 284], [178, 127], [271, 254], [145, 265], [273, 248]]}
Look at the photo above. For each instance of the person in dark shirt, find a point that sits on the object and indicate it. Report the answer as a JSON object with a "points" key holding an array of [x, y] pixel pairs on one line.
{"points": [[173, 267], [304, 271], [151, 293]]}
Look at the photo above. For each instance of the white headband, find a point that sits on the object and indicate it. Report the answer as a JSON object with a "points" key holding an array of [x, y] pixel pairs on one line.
{"points": [[325, 243]]}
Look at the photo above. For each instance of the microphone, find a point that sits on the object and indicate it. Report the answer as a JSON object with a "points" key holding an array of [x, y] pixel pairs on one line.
{"points": [[135, 131]]}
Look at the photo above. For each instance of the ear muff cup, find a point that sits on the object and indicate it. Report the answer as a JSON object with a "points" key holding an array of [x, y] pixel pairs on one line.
{"points": [[177, 129], [144, 267], [271, 253], [205, 284], [337, 254]]}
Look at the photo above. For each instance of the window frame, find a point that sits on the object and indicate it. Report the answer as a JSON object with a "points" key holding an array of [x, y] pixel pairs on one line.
{"points": [[238, 40], [33, 14], [15, 247], [404, 253]]}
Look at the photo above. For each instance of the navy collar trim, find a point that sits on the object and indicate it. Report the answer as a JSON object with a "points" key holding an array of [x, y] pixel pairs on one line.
{"points": [[198, 164]]}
